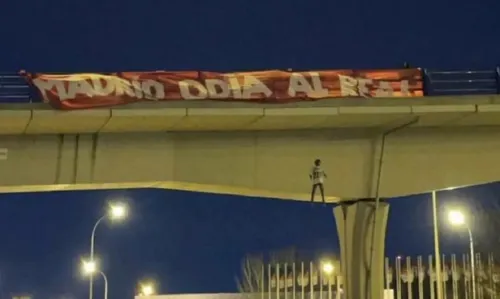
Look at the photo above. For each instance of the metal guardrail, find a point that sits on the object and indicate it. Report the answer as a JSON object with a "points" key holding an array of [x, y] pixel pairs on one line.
{"points": [[472, 82], [15, 89]]}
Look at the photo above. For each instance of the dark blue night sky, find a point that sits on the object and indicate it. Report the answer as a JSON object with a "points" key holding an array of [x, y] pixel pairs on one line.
{"points": [[112, 35], [194, 242]]}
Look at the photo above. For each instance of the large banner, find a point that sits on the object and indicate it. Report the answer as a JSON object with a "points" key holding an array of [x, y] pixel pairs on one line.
{"points": [[83, 91]]}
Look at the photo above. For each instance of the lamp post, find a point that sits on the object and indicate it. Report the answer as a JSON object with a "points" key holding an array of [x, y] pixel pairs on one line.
{"points": [[115, 212], [437, 252], [457, 218], [89, 268]]}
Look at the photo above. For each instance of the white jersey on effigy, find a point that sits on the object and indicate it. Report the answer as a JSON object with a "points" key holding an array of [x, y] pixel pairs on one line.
{"points": [[317, 175]]}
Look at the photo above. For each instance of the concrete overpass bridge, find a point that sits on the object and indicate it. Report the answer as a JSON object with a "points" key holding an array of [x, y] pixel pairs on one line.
{"points": [[265, 150], [371, 148]]}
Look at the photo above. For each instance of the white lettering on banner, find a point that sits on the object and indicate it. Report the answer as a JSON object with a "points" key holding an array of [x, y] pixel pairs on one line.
{"points": [[101, 89], [405, 88], [234, 86], [355, 87], [253, 85], [100, 86], [77, 87], [228, 87], [185, 87], [46, 85], [363, 88], [222, 89], [348, 86], [153, 90], [217, 89], [384, 89], [299, 83]]}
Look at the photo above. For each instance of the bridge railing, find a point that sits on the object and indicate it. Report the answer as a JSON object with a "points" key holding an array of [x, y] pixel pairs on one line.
{"points": [[15, 89], [472, 82]]}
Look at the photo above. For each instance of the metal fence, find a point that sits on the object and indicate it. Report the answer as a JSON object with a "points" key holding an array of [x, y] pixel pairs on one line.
{"points": [[15, 89], [405, 278], [471, 82]]}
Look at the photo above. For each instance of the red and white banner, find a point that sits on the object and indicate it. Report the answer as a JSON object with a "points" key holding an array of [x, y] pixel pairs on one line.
{"points": [[84, 91]]}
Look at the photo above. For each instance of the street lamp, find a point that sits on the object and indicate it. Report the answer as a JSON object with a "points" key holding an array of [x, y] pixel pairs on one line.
{"points": [[457, 218], [147, 289], [327, 268], [89, 268], [116, 212], [437, 251]]}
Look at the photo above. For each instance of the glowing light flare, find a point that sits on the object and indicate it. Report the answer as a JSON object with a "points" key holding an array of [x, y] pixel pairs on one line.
{"points": [[147, 288], [118, 211], [456, 218], [89, 267], [328, 267]]}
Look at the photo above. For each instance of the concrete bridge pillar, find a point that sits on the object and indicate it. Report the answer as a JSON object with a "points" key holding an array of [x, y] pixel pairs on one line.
{"points": [[361, 226]]}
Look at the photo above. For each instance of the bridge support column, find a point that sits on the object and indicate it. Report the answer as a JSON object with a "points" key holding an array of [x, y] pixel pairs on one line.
{"points": [[361, 232]]}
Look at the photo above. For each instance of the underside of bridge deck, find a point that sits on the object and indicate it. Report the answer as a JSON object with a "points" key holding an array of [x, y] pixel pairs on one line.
{"points": [[360, 163]]}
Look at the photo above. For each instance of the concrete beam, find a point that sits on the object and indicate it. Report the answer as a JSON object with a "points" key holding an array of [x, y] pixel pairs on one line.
{"points": [[225, 116], [271, 162]]}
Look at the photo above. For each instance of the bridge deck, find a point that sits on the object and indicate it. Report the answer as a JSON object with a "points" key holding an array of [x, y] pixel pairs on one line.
{"points": [[479, 110]]}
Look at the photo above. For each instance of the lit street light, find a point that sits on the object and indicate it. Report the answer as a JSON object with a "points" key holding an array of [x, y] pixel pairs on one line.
{"points": [[457, 218], [116, 212], [328, 268], [89, 268], [147, 288]]}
